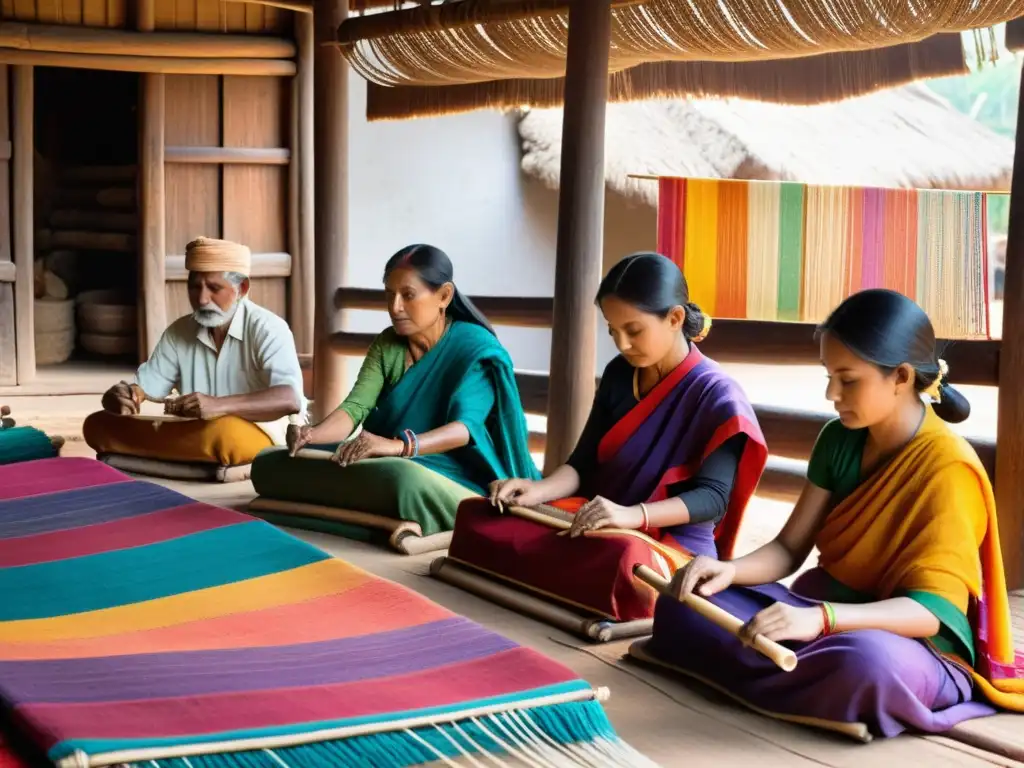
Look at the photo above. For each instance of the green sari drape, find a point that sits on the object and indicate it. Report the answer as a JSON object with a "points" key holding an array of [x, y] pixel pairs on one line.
{"points": [[466, 377]]}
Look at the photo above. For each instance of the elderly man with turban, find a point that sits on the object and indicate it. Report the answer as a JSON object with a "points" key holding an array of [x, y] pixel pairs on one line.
{"points": [[235, 366]]}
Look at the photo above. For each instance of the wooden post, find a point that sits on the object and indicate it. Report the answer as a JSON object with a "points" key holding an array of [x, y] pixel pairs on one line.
{"points": [[23, 114], [1010, 442], [302, 286], [152, 199], [580, 228], [330, 242]]}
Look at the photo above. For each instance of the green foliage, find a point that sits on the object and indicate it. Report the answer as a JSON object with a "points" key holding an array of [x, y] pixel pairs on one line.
{"points": [[990, 94]]}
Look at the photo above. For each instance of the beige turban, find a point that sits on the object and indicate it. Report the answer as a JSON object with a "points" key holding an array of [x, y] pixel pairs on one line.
{"points": [[204, 254]]}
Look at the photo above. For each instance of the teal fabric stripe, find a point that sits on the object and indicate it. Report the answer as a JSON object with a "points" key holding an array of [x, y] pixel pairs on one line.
{"points": [[122, 577], [102, 746], [791, 249]]}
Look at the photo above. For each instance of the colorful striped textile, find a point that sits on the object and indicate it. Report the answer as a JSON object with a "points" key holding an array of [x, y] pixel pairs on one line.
{"points": [[141, 627], [765, 250]]}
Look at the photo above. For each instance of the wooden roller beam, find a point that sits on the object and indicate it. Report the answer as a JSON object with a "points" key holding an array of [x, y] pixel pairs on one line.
{"points": [[8, 272], [263, 265], [160, 65], [528, 312], [227, 155], [122, 42]]}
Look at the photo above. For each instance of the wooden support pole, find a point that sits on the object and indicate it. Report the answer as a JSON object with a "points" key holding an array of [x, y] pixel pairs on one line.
{"points": [[152, 199], [1010, 439], [580, 227], [330, 243], [302, 285], [22, 194]]}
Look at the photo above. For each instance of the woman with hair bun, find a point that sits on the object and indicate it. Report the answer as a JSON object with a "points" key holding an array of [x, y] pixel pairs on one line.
{"points": [[904, 623], [669, 457], [441, 418]]}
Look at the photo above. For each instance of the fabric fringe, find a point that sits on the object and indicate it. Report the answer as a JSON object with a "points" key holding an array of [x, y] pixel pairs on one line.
{"points": [[483, 40], [807, 80], [570, 734]]}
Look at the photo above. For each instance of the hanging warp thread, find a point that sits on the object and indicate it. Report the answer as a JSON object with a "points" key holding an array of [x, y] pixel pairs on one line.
{"points": [[762, 250]]}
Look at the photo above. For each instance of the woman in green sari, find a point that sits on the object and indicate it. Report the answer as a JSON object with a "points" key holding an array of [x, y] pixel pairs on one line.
{"points": [[440, 414]]}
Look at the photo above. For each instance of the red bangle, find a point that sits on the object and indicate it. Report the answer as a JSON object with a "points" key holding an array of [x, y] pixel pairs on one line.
{"points": [[826, 621]]}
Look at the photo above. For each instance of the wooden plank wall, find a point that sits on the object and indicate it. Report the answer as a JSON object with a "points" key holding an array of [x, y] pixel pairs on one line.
{"points": [[183, 15], [242, 202], [8, 346]]}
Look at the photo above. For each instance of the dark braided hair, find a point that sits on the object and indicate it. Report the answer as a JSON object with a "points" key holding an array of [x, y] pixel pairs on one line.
{"points": [[435, 269], [653, 284]]}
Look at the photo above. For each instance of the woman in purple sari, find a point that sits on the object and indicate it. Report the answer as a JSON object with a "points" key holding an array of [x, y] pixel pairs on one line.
{"points": [[666, 464]]}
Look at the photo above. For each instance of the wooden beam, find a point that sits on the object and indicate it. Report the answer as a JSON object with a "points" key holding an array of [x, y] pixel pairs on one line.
{"points": [[8, 272], [330, 84], [730, 341], [768, 343], [1010, 459], [580, 238], [303, 284], [527, 312], [263, 265], [227, 155], [297, 6], [23, 224], [165, 65], [122, 42]]}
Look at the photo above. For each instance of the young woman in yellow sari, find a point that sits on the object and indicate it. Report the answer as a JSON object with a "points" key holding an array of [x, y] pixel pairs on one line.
{"points": [[905, 622]]}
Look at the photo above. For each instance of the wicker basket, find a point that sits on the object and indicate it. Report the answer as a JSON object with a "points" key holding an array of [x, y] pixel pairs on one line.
{"points": [[108, 344], [107, 313], [53, 315], [54, 347]]}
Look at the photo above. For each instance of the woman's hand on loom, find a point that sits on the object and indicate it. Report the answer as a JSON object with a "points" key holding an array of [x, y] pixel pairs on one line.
{"points": [[515, 490], [780, 622], [298, 437], [599, 512], [703, 576], [367, 446]]}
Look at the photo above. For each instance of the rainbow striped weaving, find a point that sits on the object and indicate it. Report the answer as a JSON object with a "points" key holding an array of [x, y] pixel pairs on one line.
{"points": [[762, 250], [139, 626]]}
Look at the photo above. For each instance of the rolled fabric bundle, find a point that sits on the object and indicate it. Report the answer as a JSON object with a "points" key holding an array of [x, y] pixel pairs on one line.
{"points": [[205, 254]]}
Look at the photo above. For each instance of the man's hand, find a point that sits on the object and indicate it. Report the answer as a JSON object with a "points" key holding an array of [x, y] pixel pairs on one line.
{"points": [[119, 399], [195, 406]]}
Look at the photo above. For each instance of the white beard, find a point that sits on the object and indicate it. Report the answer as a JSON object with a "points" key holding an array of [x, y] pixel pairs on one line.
{"points": [[212, 316]]}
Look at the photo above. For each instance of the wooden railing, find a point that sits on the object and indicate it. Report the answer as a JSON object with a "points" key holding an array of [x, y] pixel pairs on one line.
{"points": [[790, 434], [730, 341]]}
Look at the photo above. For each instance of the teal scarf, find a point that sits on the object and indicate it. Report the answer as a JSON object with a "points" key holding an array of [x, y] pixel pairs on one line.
{"points": [[467, 367]]}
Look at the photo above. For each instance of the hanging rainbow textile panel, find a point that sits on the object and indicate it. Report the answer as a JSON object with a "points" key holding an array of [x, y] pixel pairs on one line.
{"points": [[765, 250]]}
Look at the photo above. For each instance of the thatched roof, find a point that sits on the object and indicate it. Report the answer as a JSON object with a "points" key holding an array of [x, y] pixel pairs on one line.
{"points": [[904, 137]]}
